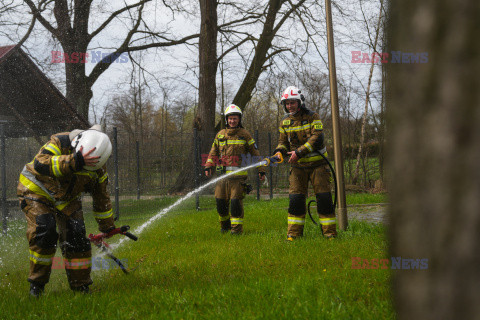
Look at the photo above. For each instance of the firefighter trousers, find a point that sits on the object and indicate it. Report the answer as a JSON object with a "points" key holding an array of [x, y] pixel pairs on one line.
{"points": [[320, 177], [42, 224], [229, 193]]}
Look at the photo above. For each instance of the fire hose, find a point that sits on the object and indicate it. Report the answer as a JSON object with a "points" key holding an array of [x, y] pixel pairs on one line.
{"points": [[98, 241], [335, 198]]}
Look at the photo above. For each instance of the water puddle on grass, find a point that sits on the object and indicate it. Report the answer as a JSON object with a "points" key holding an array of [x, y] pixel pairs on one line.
{"points": [[140, 229]]}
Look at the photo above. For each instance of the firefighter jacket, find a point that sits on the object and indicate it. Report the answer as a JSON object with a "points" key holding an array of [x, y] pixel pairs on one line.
{"points": [[230, 151], [55, 177], [303, 133]]}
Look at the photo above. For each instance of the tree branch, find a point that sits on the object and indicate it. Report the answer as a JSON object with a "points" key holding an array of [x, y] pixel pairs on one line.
{"points": [[25, 37], [115, 14], [163, 44], [60, 11], [287, 14], [107, 61], [40, 18], [233, 48]]}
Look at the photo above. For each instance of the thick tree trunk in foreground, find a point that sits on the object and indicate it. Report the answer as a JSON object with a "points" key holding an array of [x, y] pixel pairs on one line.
{"points": [[434, 158]]}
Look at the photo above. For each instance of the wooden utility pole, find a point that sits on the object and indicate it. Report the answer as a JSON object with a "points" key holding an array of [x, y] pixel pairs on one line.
{"points": [[337, 138]]}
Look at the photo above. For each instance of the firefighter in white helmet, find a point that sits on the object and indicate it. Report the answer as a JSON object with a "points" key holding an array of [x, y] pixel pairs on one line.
{"points": [[302, 139], [226, 155], [49, 191]]}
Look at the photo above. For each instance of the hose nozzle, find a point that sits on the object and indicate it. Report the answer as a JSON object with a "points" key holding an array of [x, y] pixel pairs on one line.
{"points": [[276, 158]]}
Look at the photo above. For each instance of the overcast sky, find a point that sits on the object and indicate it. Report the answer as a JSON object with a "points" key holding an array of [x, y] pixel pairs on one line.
{"points": [[169, 65]]}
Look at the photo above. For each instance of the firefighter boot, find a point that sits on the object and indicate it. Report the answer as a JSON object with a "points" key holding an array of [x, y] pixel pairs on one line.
{"points": [[224, 217], [225, 226], [326, 212], [296, 216], [329, 231], [36, 289], [290, 238], [82, 289], [237, 217]]}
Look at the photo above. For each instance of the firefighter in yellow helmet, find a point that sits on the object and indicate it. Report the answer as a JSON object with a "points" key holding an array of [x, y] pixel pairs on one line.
{"points": [[301, 138], [228, 153], [50, 190]]}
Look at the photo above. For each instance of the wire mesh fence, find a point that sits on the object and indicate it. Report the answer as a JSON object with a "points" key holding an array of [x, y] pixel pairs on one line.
{"points": [[153, 168]]}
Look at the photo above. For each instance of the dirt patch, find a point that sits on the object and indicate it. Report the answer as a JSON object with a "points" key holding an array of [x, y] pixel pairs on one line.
{"points": [[376, 213]]}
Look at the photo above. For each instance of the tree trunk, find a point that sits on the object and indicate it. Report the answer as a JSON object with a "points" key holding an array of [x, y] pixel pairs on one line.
{"points": [[207, 87], [434, 113], [207, 90], [78, 92]]}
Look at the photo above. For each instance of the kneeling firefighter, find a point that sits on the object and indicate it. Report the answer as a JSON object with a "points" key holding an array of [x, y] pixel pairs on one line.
{"points": [[228, 153], [50, 190], [301, 138]]}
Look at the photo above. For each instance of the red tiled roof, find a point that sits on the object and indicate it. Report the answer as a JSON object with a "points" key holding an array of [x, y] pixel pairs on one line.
{"points": [[29, 101], [4, 50]]}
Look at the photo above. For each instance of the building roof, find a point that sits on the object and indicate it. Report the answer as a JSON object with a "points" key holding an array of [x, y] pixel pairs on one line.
{"points": [[30, 105]]}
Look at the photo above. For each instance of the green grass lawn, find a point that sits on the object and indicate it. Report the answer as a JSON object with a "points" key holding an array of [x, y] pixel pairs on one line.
{"points": [[186, 269], [366, 198]]}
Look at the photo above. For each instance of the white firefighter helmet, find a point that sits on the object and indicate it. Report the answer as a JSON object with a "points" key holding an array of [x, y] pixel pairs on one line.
{"points": [[293, 93], [90, 139], [233, 110]]}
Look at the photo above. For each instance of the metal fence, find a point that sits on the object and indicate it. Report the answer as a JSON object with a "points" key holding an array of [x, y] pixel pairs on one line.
{"points": [[138, 171], [141, 171], [153, 169]]}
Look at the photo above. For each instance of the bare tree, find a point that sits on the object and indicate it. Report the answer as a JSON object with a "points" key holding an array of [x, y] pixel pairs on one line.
{"points": [[68, 22], [434, 138], [263, 48], [315, 82], [8, 8], [374, 58], [205, 115]]}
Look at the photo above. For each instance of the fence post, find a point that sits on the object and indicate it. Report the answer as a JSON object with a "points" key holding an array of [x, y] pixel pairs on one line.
{"points": [[138, 169], [195, 162], [4, 178], [258, 178], [115, 168], [270, 169]]}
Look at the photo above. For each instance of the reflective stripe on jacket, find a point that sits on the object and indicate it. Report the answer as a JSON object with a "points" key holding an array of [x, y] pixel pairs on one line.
{"points": [[229, 149], [303, 133], [55, 176]]}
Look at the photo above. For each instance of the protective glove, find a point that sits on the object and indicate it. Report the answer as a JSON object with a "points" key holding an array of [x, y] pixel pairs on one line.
{"points": [[261, 175], [208, 171], [108, 229]]}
